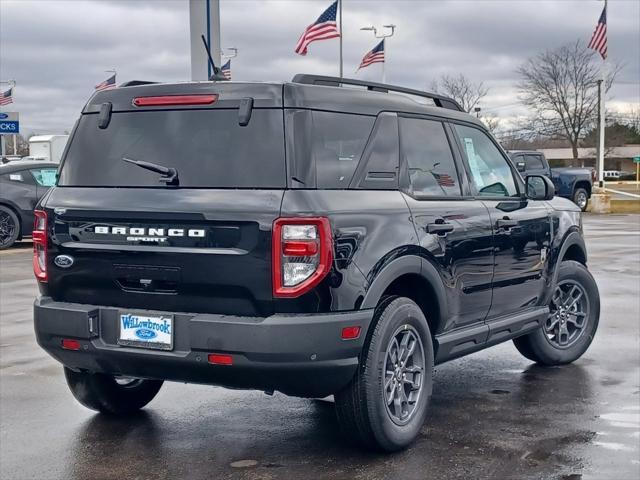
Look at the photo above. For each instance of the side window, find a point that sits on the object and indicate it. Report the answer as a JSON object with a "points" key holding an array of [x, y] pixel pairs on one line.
{"points": [[534, 162], [338, 142], [45, 177], [490, 172], [427, 154]]}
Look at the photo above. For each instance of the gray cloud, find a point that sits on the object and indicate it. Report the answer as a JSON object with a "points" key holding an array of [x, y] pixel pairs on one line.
{"points": [[58, 50]]}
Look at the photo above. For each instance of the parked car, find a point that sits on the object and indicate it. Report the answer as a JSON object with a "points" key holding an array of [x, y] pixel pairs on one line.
{"points": [[572, 183], [300, 237], [21, 185]]}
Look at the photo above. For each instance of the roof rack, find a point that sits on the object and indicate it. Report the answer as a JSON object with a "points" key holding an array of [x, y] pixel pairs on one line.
{"points": [[439, 100]]}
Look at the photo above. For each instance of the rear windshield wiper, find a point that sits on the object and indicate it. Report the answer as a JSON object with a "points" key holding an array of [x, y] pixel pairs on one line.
{"points": [[168, 175]]}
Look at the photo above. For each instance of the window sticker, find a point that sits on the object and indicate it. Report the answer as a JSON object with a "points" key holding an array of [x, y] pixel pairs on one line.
{"points": [[473, 161], [48, 177], [16, 177]]}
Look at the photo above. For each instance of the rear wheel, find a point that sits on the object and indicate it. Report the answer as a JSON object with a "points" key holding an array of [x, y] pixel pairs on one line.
{"points": [[9, 227], [109, 394], [574, 313], [581, 198], [385, 405]]}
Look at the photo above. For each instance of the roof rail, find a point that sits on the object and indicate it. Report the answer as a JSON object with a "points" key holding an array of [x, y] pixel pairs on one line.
{"points": [[439, 100], [135, 83]]}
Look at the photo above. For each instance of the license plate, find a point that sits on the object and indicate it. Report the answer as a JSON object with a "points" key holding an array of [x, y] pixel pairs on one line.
{"points": [[138, 330]]}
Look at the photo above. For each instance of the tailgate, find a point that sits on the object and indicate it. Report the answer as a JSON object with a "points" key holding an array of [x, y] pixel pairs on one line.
{"points": [[180, 250]]}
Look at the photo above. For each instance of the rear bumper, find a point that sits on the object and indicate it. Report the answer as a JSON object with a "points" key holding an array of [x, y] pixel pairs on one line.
{"points": [[300, 355]]}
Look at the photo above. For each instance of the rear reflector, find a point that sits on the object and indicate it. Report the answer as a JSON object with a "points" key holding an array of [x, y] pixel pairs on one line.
{"points": [[168, 100], [69, 344], [350, 333], [219, 359]]}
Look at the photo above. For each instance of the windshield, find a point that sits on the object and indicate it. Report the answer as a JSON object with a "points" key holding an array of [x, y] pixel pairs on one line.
{"points": [[207, 147]]}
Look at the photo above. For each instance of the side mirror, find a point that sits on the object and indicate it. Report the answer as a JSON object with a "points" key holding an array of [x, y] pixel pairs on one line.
{"points": [[520, 166], [539, 187]]}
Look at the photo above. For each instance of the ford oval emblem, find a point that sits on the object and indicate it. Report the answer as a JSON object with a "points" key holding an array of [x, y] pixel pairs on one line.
{"points": [[145, 334], [63, 261], [3, 116]]}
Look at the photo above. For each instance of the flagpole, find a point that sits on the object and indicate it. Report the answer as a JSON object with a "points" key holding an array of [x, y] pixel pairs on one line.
{"points": [[341, 35], [601, 113], [384, 62]]}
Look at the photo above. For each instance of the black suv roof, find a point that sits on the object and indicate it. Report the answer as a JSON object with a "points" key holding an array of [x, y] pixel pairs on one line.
{"points": [[305, 91]]}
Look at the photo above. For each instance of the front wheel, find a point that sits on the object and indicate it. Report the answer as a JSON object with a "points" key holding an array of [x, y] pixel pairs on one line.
{"points": [[581, 198], [573, 319], [384, 406], [109, 394]]}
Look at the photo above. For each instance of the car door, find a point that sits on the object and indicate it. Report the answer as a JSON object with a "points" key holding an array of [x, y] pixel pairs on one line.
{"points": [[521, 227], [453, 228]]}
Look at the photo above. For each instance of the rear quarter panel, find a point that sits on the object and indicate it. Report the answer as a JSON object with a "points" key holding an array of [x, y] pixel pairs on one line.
{"points": [[370, 228]]}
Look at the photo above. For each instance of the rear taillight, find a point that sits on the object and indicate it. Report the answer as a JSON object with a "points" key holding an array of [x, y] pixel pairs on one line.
{"points": [[40, 245], [302, 254]]}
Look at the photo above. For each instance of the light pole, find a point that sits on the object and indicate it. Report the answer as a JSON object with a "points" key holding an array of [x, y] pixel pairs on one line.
{"points": [[383, 35]]}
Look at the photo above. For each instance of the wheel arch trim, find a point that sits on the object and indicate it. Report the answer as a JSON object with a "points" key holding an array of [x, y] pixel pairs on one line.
{"points": [[409, 264]]}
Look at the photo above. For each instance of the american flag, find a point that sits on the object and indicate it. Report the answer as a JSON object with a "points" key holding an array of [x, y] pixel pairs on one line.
{"points": [[323, 29], [6, 97], [599, 38], [444, 179], [108, 83], [374, 56], [226, 70]]}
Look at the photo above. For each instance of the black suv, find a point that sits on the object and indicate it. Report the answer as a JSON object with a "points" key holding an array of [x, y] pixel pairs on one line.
{"points": [[323, 236]]}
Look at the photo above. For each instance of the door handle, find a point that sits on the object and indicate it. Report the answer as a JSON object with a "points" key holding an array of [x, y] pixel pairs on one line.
{"points": [[439, 228], [506, 223]]}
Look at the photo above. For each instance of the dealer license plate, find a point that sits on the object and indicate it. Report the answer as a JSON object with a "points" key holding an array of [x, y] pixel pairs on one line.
{"points": [[138, 330]]}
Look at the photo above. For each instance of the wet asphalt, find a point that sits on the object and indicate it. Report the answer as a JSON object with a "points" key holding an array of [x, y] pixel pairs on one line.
{"points": [[494, 414]]}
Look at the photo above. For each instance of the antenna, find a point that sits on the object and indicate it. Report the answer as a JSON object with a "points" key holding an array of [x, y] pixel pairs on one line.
{"points": [[217, 74]]}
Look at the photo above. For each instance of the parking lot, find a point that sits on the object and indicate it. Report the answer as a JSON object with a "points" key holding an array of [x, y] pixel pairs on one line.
{"points": [[494, 414]]}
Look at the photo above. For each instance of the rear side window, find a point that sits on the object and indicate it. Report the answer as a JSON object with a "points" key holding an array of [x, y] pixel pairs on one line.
{"points": [[338, 142], [427, 154], [533, 162], [207, 147], [45, 177]]}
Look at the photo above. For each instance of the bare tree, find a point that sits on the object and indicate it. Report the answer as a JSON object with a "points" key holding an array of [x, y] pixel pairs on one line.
{"points": [[560, 88], [461, 89], [491, 122]]}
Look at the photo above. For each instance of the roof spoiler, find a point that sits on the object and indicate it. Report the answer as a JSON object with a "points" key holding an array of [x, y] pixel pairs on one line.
{"points": [[439, 100]]}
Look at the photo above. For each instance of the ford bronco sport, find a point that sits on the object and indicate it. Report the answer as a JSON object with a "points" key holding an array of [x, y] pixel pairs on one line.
{"points": [[318, 237]]}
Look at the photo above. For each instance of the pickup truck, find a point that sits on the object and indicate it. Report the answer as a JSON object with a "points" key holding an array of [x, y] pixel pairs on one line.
{"points": [[572, 183]]}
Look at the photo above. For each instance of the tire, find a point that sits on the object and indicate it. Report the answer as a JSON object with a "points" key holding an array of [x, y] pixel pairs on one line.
{"points": [[361, 407], [548, 345], [104, 394], [581, 198], [9, 227]]}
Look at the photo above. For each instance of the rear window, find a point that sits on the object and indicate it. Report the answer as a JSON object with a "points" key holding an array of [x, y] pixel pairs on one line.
{"points": [[207, 147]]}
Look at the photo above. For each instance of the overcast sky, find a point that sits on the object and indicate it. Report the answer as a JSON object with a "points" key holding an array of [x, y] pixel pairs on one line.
{"points": [[57, 51]]}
